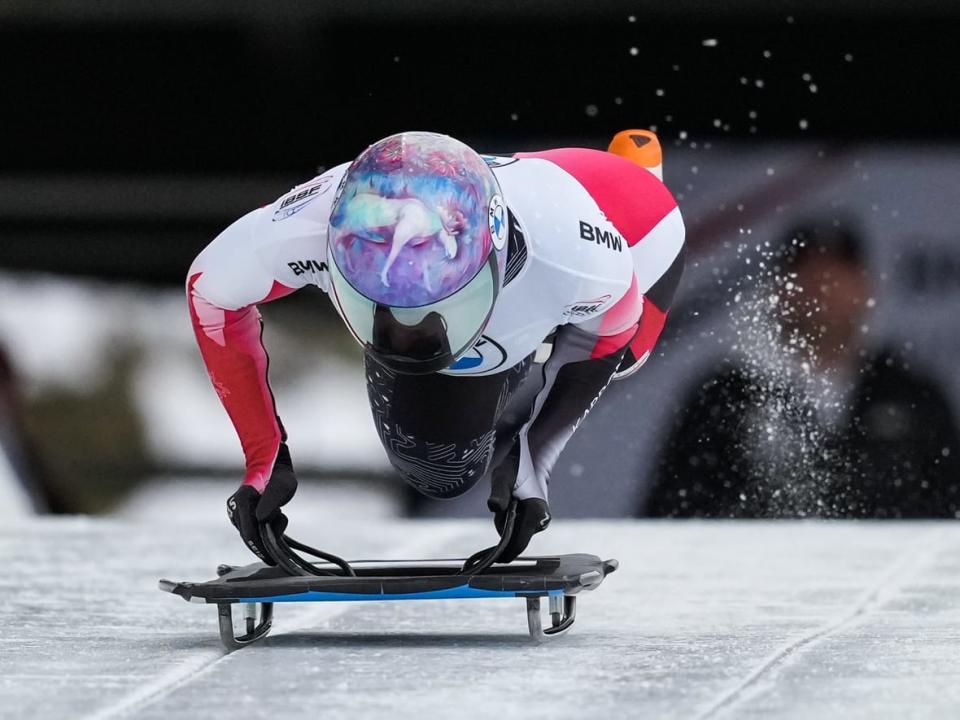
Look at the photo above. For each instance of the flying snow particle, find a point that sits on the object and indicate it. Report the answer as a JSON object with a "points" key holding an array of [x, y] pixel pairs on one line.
{"points": [[514, 117], [813, 88], [632, 18], [660, 92], [804, 124], [770, 171], [682, 135], [618, 101], [871, 302], [591, 110], [711, 42], [634, 51], [848, 57]]}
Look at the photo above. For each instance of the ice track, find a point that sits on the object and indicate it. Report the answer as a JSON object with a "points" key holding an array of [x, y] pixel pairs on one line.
{"points": [[703, 620]]}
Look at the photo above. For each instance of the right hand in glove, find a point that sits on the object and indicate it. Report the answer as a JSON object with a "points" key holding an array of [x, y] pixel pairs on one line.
{"points": [[247, 508]]}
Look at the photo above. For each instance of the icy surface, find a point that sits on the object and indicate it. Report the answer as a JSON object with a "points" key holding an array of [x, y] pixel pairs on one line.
{"points": [[724, 619]]}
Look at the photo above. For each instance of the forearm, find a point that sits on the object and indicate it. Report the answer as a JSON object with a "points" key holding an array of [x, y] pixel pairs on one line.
{"points": [[580, 367], [576, 374], [237, 363]]}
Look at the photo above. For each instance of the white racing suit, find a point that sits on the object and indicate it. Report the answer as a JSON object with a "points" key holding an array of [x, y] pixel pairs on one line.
{"points": [[595, 255]]}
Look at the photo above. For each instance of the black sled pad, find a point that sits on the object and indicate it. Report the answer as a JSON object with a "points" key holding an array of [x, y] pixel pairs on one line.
{"points": [[259, 586]]}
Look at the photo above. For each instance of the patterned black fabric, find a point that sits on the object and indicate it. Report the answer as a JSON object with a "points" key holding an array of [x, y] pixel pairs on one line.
{"points": [[439, 431]]}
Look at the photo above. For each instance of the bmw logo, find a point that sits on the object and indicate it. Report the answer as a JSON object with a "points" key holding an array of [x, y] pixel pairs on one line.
{"points": [[497, 217], [483, 357]]}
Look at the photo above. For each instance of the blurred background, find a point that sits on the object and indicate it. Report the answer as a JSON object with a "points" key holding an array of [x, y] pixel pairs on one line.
{"points": [[808, 365]]}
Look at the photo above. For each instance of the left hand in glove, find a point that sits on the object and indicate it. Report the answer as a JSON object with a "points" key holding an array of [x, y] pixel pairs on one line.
{"points": [[247, 508], [533, 514]]}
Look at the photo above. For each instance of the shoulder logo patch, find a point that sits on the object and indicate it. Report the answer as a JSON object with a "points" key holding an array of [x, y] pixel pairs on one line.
{"points": [[585, 308], [299, 198]]}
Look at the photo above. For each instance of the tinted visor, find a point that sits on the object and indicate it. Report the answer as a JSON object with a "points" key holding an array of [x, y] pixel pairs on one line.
{"points": [[423, 339]]}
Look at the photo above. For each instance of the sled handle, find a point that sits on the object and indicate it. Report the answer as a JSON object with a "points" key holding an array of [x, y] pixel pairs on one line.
{"points": [[281, 551], [482, 559]]}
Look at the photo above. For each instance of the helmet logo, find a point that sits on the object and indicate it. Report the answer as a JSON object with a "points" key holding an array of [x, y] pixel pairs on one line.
{"points": [[497, 216]]}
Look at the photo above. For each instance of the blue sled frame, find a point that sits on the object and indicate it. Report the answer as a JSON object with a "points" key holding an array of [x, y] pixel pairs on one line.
{"points": [[258, 587]]}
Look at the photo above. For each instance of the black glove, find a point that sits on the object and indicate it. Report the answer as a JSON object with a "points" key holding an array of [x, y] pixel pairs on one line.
{"points": [[533, 514], [247, 508]]}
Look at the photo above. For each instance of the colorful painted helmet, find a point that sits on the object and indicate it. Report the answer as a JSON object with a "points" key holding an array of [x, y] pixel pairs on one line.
{"points": [[416, 248]]}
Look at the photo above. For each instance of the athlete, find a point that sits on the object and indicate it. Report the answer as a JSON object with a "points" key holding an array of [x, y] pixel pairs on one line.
{"points": [[462, 276]]}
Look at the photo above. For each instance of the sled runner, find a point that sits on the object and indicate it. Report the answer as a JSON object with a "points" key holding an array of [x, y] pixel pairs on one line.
{"points": [[293, 579]]}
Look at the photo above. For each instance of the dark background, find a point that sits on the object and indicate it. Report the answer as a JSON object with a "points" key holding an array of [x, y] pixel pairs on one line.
{"points": [[98, 93]]}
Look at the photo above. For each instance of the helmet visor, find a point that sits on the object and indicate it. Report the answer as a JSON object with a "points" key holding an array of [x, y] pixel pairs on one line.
{"points": [[424, 339]]}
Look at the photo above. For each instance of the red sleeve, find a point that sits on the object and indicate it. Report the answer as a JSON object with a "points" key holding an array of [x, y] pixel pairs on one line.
{"points": [[232, 349]]}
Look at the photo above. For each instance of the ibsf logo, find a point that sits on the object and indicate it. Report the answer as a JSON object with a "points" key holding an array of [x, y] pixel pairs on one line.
{"points": [[584, 308], [299, 199]]}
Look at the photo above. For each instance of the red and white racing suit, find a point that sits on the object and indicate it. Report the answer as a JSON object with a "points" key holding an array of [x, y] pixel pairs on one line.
{"points": [[596, 252]]}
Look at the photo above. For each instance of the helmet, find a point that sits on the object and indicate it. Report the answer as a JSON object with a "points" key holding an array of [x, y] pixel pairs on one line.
{"points": [[417, 248]]}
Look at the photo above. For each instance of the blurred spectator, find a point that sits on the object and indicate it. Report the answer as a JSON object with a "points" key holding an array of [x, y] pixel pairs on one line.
{"points": [[23, 472], [803, 419]]}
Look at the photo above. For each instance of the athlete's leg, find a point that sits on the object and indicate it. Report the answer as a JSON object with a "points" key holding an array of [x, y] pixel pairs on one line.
{"points": [[439, 431]]}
